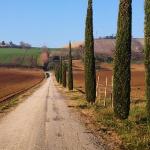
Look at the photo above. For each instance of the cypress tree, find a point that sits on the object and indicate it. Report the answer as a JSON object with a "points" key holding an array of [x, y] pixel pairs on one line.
{"points": [[70, 72], [64, 70], [55, 72], [57, 68], [60, 71], [122, 61], [147, 54], [89, 62], [58, 75]]}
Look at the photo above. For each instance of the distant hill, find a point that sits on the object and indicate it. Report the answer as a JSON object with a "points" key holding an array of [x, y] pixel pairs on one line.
{"points": [[107, 46]]}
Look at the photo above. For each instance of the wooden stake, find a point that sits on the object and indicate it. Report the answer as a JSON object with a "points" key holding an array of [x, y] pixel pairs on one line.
{"points": [[100, 92], [112, 100], [105, 92], [97, 86]]}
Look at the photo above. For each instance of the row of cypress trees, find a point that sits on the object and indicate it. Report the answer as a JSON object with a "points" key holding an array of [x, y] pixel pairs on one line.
{"points": [[61, 70], [122, 59]]}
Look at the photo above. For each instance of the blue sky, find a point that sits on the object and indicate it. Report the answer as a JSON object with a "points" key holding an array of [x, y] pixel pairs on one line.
{"points": [[55, 22]]}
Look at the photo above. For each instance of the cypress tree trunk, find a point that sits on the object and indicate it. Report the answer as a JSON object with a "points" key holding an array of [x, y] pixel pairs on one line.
{"points": [[89, 62], [147, 54], [70, 72], [122, 61], [64, 70], [60, 71]]}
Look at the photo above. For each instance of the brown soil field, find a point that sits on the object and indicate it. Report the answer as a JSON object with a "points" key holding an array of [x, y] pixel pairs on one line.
{"points": [[16, 80], [137, 81]]}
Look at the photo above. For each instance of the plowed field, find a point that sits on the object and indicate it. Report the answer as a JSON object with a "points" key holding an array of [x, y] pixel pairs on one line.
{"points": [[15, 80], [137, 82]]}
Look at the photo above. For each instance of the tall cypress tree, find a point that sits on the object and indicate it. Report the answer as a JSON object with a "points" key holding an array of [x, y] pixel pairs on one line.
{"points": [[147, 54], [122, 61], [70, 72], [57, 72], [60, 71], [64, 70], [89, 62]]}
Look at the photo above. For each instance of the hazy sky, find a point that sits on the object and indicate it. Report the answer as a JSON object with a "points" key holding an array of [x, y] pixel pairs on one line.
{"points": [[55, 22]]}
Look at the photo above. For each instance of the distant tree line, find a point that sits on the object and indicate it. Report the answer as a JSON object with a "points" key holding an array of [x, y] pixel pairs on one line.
{"points": [[24, 45], [108, 37]]}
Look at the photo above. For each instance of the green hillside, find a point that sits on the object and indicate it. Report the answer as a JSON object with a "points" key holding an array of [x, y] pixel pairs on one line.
{"points": [[22, 57], [16, 55]]}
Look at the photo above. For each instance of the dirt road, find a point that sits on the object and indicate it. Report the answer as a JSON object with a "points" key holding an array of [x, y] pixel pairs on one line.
{"points": [[44, 122]]}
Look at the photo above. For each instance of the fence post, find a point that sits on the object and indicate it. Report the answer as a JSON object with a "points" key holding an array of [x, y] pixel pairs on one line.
{"points": [[112, 100], [99, 92], [97, 87], [105, 92]]}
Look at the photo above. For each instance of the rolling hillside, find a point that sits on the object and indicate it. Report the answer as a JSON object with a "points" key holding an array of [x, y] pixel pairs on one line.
{"points": [[21, 57], [107, 46], [16, 56]]}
